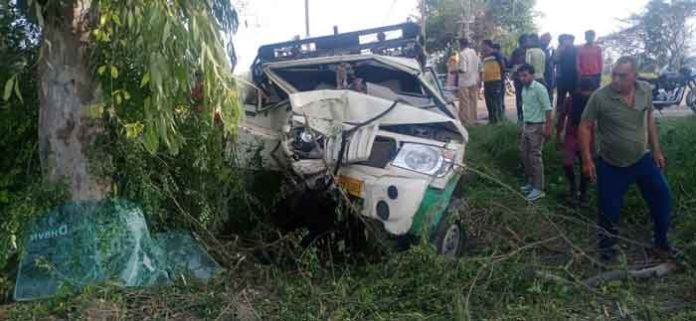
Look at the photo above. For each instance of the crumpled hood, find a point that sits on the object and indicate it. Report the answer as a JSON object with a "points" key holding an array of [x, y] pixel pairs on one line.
{"points": [[350, 107]]}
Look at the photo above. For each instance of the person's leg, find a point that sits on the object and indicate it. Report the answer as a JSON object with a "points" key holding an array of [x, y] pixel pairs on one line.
{"points": [[465, 108], [550, 89], [536, 144], [472, 92], [489, 98], [569, 153], [518, 98], [500, 108], [561, 95], [612, 185], [653, 186], [524, 154], [502, 98], [463, 102]]}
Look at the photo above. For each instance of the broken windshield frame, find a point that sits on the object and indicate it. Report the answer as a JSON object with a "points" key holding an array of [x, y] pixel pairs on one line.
{"points": [[386, 79]]}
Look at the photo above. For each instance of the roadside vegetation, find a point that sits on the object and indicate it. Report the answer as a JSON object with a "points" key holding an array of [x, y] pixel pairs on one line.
{"points": [[523, 262], [162, 143]]}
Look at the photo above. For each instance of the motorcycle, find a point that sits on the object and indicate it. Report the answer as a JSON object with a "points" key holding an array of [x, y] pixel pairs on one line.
{"points": [[669, 88]]}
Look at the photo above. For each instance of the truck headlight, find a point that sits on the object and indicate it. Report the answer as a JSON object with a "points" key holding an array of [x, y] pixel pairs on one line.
{"points": [[425, 159]]}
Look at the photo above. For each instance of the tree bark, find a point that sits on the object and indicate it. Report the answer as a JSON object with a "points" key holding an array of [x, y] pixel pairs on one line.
{"points": [[67, 90]]}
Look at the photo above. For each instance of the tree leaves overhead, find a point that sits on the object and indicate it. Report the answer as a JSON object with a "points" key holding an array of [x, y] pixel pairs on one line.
{"points": [[659, 35], [168, 47], [162, 49], [496, 19]]}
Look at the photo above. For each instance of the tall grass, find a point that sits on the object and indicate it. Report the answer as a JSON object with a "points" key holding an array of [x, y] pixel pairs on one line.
{"points": [[524, 262]]}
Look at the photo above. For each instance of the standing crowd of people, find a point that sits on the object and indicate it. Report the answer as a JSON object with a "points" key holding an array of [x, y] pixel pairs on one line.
{"points": [[621, 114]]}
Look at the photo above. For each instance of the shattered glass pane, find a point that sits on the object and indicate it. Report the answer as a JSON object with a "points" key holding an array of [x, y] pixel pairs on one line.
{"points": [[88, 242]]}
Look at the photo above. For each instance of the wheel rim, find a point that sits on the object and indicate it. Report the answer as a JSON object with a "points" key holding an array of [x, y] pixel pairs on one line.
{"points": [[451, 241]]}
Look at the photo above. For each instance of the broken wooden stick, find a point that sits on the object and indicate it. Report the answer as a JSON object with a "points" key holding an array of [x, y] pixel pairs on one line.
{"points": [[658, 271]]}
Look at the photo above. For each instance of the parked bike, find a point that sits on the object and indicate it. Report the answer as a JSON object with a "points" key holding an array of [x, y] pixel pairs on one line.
{"points": [[669, 88]]}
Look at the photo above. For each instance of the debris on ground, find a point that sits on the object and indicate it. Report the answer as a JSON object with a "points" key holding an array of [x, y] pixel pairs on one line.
{"points": [[89, 242]]}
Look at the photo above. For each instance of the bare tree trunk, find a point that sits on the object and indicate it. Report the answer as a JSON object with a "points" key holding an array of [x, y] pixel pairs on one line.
{"points": [[67, 90]]}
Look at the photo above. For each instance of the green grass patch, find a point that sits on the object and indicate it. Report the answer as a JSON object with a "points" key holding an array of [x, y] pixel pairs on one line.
{"points": [[524, 262]]}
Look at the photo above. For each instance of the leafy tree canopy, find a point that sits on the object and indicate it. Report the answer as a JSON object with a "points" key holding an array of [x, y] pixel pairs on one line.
{"points": [[151, 55], [503, 20], [660, 35]]}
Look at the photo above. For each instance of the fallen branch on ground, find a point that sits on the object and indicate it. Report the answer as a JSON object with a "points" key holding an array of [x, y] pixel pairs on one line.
{"points": [[646, 273]]}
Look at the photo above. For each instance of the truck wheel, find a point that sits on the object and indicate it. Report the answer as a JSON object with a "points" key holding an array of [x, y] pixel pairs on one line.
{"points": [[449, 238]]}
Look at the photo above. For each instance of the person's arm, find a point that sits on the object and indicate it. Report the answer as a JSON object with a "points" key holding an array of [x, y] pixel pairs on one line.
{"points": [[585, 137], [589, 117], [481, 68], [463, 62], [654, 141], [543, 97], [548, 127]]}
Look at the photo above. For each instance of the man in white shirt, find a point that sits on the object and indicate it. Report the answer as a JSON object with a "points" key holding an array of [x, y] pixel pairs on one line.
{"points": [[469, 82]]}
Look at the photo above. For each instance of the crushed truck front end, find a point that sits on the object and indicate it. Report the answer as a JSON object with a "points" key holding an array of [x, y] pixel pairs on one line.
{"points": [[389, 141]]}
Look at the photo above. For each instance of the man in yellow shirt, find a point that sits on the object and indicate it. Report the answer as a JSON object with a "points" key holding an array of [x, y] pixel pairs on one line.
{"points": [[492, 76]]}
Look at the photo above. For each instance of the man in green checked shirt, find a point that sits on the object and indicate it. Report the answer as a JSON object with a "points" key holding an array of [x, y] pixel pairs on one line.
{"points": [[536, 114]]}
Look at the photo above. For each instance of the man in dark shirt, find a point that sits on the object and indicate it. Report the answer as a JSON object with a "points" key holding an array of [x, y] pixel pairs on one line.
{"points": [[567, 137], [499, 53], [517, 59], [567, 73]]}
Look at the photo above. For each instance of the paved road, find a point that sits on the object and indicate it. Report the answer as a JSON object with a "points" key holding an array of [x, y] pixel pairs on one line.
{"points": [[511, 112]]}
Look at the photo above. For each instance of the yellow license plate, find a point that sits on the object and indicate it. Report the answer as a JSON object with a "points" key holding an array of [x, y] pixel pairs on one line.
{"points": [[353, 186]]}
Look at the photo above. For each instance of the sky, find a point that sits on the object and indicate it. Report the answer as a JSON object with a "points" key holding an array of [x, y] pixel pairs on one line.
{"points": [[269, 21], [576, 16]]}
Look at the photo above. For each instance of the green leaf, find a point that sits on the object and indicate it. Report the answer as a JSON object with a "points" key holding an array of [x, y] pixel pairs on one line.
{"points": [[116, 20], [119, 100], [151, 140], [134, 130], [145, 80], [114, 72], [17, 92], [101, 70], [8, 88], [126, 95], [130, 20], [166, 32]]}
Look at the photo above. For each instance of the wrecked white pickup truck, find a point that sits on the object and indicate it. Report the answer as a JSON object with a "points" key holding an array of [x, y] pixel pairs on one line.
{"points": [[363, 115]]}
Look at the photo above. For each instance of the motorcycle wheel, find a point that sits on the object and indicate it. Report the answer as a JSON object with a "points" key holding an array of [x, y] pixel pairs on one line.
{"points": [[691, 100]]}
